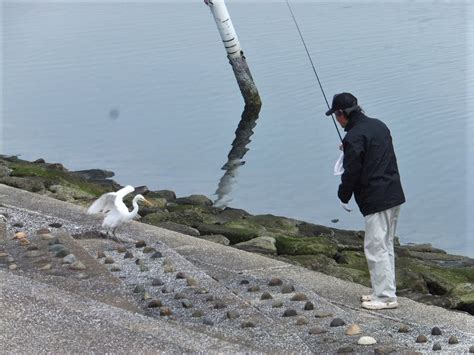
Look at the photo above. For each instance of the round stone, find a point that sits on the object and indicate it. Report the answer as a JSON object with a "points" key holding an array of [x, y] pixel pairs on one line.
{"points": [[100, 255], [55, 225], [233, 314], [139, 289], [69, 259], [32, 247], [43, 231], [128, 255], [244, 282], [207, 321], [471, 349], [322, 314], [115, 268], [179, 296], [255, 288], [180, 275], [299, 297], [143, 268], [47, 237], [61, 253], [353, 329], [77, 265], [337, 322], [277, 304], [139, 261], [13, 267], [165, 311], [140, 244], [404, 329], [421, 339], [46, 267], [109, 260], [202, 291], [436, 331], [20, 235], [186, 303], [209, 298], [275, 281], [219, 305], [168, 269], [148, 250], [52, 240], [156, 255], [308, 306], [289, 312], [317, 330], [287, 289], [166, 289], [367, 341], [121, 249], [191, 281], [248, 325], [302, 321], [157, 282], [146, 296], [266, 296], [453, 340], [436, 346], [345, 350], [197, 313]]}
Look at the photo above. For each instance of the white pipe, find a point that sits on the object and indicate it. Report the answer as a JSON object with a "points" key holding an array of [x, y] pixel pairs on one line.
{"points": [[225, 27]]}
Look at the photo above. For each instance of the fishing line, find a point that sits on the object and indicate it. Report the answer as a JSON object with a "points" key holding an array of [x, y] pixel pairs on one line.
{"points": [[314, 68]]}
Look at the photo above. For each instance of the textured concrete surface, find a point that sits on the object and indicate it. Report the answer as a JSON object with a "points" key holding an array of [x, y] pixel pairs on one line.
{"points": [[221, 269]]}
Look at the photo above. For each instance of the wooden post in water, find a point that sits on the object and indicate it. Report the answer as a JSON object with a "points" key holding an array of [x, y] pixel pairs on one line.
{"points": [[235, 53]]}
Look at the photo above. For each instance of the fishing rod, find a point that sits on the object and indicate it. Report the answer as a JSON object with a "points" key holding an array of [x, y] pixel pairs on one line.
{"points": [[314, 68]]}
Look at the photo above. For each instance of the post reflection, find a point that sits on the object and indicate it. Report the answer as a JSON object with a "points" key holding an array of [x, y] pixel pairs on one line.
{"points": [[239, 148]]}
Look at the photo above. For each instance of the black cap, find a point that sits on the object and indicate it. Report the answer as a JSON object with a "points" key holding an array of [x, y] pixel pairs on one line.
{"points": [[342, 101]]}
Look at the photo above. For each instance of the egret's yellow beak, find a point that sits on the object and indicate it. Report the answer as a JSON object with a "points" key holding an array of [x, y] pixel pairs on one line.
{"points": [[146, 202]]}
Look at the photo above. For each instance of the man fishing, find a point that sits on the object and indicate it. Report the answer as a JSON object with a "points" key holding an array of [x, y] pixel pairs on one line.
{"points": [[371, 174]]}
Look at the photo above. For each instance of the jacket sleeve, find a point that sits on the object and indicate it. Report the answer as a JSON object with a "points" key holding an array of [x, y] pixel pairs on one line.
{"points": [[353, 159]]}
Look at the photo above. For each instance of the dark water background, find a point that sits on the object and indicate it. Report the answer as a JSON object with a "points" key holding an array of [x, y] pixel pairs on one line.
{"points": [[145, 90]]}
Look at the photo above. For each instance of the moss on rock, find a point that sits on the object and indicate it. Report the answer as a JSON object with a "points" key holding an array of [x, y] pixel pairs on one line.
{"points": [[305, 246]]}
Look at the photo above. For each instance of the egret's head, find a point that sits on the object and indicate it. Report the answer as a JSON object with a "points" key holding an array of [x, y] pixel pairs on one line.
{"points": [[140, 198]]}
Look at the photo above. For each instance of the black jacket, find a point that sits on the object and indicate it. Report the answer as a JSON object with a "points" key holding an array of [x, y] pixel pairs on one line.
{"points": [[370, 166]]}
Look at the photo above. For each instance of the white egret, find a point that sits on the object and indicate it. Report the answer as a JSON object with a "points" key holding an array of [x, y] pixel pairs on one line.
{"points": [[112, 206]]}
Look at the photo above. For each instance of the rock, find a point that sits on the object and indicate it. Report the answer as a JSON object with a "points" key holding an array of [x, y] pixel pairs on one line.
{"points": [[140, 244], [186, 303], [309, 306], [93, 174], [436, 331], [317, 330], [3, 255], [233, 314], [266, 296], [471, 349], [121, 249], [404, 329], [166, 289], [194, 200], [52, 241], [61, 253], [436, 346], [34, 253], [167, 261], [156, 255], [143, 268], [10, 259], [24, 241], [157, 282], [353, 329], [384, 350], [277, 304], [165, 311], [139, 289], [56, 247], [24, 183], [46, 267], [179, 296], [421, 339], [219, 305], [202, 291], [345, 349], [255, 288], [247, 324], [55, 225], [209, 298], [302, 321], [337, 322], [180, 275], [48, 237], [115, 268], [306, 246], [156, 216], [207, 321], [244, 282], [191, 281], [197, 313], [215, 238], [154, 303], [148, 250], [287, 289], [146, 296], [180, 228], [32, 247], [262, 245], [13, 267], [20, 235], [66, 193], [77, 265], [109, 260], [366, 341], [128, 255], [235, 235], [299, 297], [166, 194], [43, 231], [275, 281], [453, 340], [322, 314], [69, 259], [100, 255], [290, 313]]}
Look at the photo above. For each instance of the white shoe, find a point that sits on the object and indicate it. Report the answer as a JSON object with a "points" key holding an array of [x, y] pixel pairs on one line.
{"points": [[376, 305], [366, 298]]}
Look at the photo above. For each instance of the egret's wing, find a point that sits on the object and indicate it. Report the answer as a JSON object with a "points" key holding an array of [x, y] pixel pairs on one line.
{"points": [[103, 203], [119, 195]]}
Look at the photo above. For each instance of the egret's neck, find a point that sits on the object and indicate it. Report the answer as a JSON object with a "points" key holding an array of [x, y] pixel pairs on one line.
{"points": [[135, 207]]}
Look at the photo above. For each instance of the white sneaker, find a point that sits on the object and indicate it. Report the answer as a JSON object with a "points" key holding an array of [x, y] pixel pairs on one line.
{"points": [[366, 298], [376, 305]]}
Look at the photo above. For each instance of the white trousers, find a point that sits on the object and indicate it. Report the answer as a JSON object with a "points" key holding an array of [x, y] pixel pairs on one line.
{"points": [[378, 247]]}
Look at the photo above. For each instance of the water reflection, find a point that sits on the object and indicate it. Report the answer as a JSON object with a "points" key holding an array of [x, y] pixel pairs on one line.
{"points": [[239, 148]]}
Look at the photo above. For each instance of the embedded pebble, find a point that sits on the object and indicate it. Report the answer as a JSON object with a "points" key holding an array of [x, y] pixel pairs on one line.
{"points": [[53, 240], [18, 225], [165, 311], [157, 282], [453, 340], [148, 250], [43, 231], [32, 247], [115, 268], [436, 346], [3, 255], [46, 267], [156, 255], [248, 325], [61, 253], [77, 265], [317, 330], [219, 305], [13, 267], [299, 297], [244, 282], [55, 248], [302, 321], [436, 331], [128, 255], [46, 237], [287, 289], [266, 296], [180, 275], [197, 313], [55, 225], [202, 291], [100, 255], [191, 281], [166, 289], [277, 304], [366, 341], [421, 339], [139, 289], [275, 281], [146, 296], [121, 249], [33, 253], [69, 259], [253, 288], [109, 260], [384, 350], [353, 329], [337, 322], [10, 259], [167, 261], [471, 349], [289, 313], [143, 268], [140, 244], [186, 303], [345, 349], [233, 314], [210, 298], [138, 261], [404, 329], [24, 241], [20, 235], [179, 296], [308, 306], [169, 268], [207, 321]]}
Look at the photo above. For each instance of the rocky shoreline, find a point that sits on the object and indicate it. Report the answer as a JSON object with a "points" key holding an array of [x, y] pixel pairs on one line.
{"points": [[424, 273]]}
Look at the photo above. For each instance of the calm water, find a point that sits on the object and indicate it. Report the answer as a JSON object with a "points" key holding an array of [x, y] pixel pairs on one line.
{"points": [[145, 90]]}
